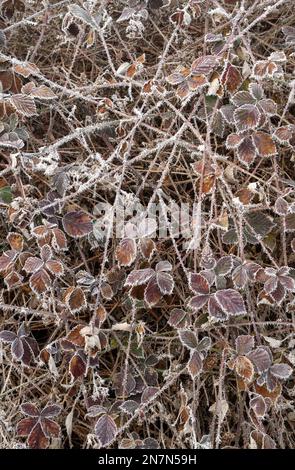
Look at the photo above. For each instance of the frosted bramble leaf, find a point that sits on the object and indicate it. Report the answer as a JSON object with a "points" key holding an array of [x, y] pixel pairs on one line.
{"points": [[281, 371], [290, 222], [129, 406], [26, 69], [16, 241], [24, 105], [43, 92], [59, 241], [198, 301], [152, 293], [178, 318], [244, 368], [178, 76], [165, 283], [204, 344], [33, 264], [40, 282], [195, 364], [257, 403], [284, 134], [75, 299], [264, 144], [256, 91], [163, 266], [139, 277], [77, 366], [81, 14], [233, 141], [244, 344], [278, 56], [247, 151], [55, 267], [77, 224], [264, 69], [149, 393], [45, 253], [204, 65], [281, 206], [231, 302], [215, 310], [50, 411], [243, 97], [7, 336], [231, 78], [268, 106], [17, 348], [289, 32], [147, 247], [188, 339], [198, 284], [259, 222], [224, 266], [227, 112], [124, 384], [6, 261], [261, 358], [246, 117], [75, 337], [95, 411], [30, 410], [126, 252]]}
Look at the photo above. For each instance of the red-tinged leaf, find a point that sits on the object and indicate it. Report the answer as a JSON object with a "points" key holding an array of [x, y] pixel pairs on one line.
{"points": [[129, 406], [26, 69], [13, 280], [95, 411], [204, 65], [55, 267], [33, 264], [244, 368], [264, 144], [199, 284], [195, 364], [183, 90], [75, 299], [75, 337], [178, 76], [40, 282], [41, 231], [188, 339], [37, 438], [264, 68], [7, 336], [43, 92], [147, 247], [240, 277], [77, 366], [244, 344], [124, 384], [16, 241], [59, 241], [45, 253], [243, 97], [198, 301], [246, 117], [284, 134], [24, 427], [105, 429], [6, 262], [50, 428], [233, 141], [231, 78], [152, 293], [165, 283], [278, 294], [17, 349], [231, 302], [260, 358], [30, 410], [268, 106], [24, 105], [77, 224], [215, 310], [247, 151], [139, 277], [50, 411], [196, 82], [281, 371], [126, 252], [258, 404], [178, 318]]}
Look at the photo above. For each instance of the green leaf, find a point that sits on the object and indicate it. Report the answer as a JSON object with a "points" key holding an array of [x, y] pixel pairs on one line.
{"points": [[6, 195]]}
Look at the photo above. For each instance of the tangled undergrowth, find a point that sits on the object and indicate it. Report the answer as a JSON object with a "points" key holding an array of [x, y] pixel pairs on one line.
{"points": [[148, 334]]}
